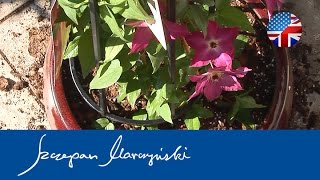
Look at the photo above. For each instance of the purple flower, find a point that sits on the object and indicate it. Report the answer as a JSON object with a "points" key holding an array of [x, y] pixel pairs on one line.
{"points": [[218, 79], [209, 48]]}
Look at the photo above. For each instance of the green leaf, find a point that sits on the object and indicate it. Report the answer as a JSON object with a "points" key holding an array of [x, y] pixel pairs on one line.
{"points": [[114, 46], [231, 16], [133, 96], [193, 123], [71, 7], [62, 17], [117, 5], [165, 112], [203, 112], [156, 54], [234, 111], [206, 2], [240, 43], [140, 115], [130, 87], [199, 17], [154, 103], [102, 122], [75, 4], [166, 91], [86, 53], [155, 61], [108, 74], [244, 116], [122, 91], [236, 64], [222, 3], [241, 107], [71, 13], [72, 49], [110, 126], [111, 21], [83, 20], [135, 11], [199, 111], [248, 102], [182, 8]]}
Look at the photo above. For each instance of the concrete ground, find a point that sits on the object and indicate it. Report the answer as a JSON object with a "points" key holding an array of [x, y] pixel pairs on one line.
{"points": [[20, 101], [307, 66]]}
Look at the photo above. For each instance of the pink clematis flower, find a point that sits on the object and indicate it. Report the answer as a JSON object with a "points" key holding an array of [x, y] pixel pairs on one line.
{"points": [[218, 79], [209, 48], [143, 35]]}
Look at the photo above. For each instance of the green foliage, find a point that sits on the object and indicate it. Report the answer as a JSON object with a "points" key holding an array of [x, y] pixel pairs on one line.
{"points": [[85, 52], [113, 47], [220, 4], [145, 74], [241, 109], [240, 43], [156, 54], [193, 116], [104, 123], [108, 74], [199, 17], [231, 16], [111, 21], [72, 49]]}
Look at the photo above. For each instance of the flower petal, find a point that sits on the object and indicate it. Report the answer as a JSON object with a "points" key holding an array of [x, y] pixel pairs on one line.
{"points": [[224, 60], [203, 57], [199, 89], [196, 41], [212, 30], [230, 83], [196, 78], [212, 90], [241, 72], [141, 39], [176, 30], [227, 35]]}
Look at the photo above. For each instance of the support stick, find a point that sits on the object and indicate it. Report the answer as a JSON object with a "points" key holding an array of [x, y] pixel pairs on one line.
{"points": [[94, 16], [172, 48]]}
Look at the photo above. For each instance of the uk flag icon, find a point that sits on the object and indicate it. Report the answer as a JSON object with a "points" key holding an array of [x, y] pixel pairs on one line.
{"points": [[284, 29]]}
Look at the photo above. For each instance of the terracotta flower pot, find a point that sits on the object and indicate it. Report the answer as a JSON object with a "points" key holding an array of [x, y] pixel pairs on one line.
{"points": [[61, 117]]}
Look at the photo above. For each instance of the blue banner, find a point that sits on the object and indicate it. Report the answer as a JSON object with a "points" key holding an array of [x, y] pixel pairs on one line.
{"points": [[159, 154]]}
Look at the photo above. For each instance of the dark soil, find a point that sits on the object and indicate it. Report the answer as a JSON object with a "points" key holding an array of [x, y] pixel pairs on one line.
{"points": [[80, 109]]}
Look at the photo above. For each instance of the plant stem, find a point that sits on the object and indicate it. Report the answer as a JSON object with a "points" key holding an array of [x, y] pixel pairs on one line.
{"points": [[211, 65]]}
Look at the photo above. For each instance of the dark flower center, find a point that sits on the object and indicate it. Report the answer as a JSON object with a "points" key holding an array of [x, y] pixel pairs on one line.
{"points": [[213, 44], [214, 76]]}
